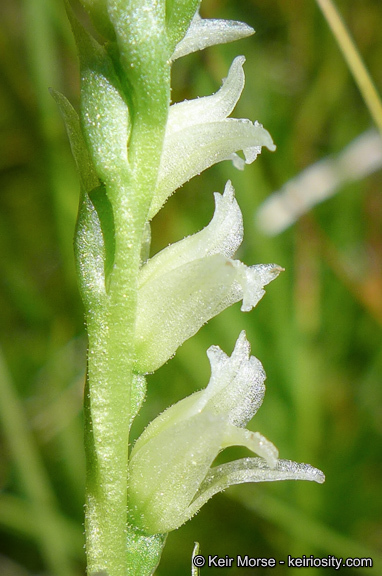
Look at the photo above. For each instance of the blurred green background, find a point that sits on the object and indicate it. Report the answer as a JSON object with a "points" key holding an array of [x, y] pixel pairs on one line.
{"points": [[317, 331]]}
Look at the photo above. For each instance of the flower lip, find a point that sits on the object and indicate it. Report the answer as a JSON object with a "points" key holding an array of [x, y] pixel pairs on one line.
{"points": [[189, 151]]}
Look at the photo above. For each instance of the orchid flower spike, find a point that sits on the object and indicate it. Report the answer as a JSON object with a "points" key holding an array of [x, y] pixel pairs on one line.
{"points": [[170, 467]]}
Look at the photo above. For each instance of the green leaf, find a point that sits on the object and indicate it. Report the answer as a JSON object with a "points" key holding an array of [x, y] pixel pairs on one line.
{"points": [[179, 15], [90, 254], [80, 153], [104, 210], [144, 552], [105, 116], [98, 12]]}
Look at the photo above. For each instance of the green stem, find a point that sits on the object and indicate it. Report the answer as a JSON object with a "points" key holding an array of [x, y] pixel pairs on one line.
{"points": [[109, 384], [354, 60], [138, 63], [111, 334], [106, 410]]}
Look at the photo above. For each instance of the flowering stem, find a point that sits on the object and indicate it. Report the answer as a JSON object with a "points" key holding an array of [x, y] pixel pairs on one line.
{"points": [[110, 317], [110, 361], [132, 152]]}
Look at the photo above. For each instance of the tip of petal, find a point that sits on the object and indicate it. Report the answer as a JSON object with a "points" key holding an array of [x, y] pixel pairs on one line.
{"points": [[229, 191], [299, 471], [205, 32], [254, 278], [242, 346], [268, 272]]}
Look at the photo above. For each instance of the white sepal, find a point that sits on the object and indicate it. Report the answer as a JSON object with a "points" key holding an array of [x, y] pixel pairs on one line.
{"points": [[174, 305], [236, 390], [205, 32], [167, 470], [223, 235], [251, 470]]}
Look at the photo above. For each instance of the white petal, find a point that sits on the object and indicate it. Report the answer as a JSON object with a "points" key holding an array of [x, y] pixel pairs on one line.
{"points": [[252, 470], [203, 33], [223, 235], [209, 108], [254, 441], [250, 283], [172, 307], [188, 152], [166, 471], [236, 387]]}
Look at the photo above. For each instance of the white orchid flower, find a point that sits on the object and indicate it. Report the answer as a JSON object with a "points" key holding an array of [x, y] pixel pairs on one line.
{"points": [[170, 466], [190, 282], [199, 134]]}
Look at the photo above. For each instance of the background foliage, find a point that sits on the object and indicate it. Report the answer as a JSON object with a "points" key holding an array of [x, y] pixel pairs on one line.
{"points": [[317, 332]]}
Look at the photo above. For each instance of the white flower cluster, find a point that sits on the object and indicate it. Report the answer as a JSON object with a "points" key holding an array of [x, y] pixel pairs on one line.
{"points": [[193, 280], [181, 288]]}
